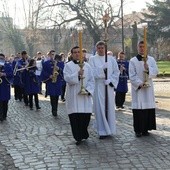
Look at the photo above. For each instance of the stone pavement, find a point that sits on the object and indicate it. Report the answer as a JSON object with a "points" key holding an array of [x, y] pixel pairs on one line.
{"points": [[34, 140]]}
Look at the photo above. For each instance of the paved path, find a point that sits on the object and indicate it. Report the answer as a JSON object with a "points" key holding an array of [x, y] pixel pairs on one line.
{"points": [[32, 140]]}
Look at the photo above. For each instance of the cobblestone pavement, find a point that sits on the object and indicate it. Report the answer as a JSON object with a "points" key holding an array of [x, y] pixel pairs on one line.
{"points": [[34, 140]]}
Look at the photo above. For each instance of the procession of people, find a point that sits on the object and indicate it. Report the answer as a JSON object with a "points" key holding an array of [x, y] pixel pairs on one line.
{"points": [[85, 84]]}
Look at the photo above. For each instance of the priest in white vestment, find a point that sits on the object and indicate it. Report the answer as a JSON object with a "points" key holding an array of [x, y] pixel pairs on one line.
{"points": [[143, 99], [78, 106], [105, 124]]}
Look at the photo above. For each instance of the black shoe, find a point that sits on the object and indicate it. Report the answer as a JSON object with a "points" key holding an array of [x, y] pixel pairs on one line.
{"points": [[145, 133], [78, 142], [54, 114], [138, 134], [38, 108], [102, 137]]}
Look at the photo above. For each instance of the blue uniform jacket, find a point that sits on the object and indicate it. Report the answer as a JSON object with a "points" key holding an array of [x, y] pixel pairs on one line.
{"points": [[123, 78], [52, 89], [21, 64], [17, 79], [5, 94], [30, 81]]}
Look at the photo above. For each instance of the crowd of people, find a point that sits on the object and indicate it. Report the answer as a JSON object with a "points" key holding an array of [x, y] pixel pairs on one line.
{"points": [[92, 85]]}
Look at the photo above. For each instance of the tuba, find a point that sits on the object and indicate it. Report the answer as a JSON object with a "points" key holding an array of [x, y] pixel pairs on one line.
{"points": [[55, 72]]}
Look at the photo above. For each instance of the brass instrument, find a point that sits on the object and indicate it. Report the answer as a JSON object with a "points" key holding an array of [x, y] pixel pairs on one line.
{"points": [[55, 72], [146, 76], [15, 69], [21, 69], [122, 71], [1, 65], [81, 65]]}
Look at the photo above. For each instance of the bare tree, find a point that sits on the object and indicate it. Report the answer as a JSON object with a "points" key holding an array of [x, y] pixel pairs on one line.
{"points": [[32, 14], [85, 12], [10, 31]]}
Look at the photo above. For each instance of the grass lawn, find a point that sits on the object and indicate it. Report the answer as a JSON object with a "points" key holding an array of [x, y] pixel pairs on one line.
{"points": [[164, 67]]}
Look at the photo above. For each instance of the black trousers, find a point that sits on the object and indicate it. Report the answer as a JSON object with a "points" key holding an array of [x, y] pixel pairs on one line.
{"points": [[25, 96], [120, 98], [18, 92], [63, 89], [79, 125], [54, 104], [35, 100], [144, 120], [3, 109]]}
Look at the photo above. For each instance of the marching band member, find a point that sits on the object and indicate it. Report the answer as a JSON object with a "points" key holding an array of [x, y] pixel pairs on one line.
{"points": [[5, 77], [106, 124], [62, 58], [17, 79], [39, 70], [31, 84], [122, 86], [143, 99], [78, 106], [23, 62], [52, 75]]}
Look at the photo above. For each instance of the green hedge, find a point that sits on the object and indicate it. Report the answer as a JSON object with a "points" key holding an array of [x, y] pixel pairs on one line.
{"points": [[164, 67]]}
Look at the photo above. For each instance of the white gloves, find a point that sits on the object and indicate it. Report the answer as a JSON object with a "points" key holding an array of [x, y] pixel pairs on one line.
{"points": [[106, 82], [105, 65]]}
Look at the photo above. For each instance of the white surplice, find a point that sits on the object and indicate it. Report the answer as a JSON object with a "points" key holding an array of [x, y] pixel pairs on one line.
{"points": [[142, 98], [77, 103], [104, 126]]}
